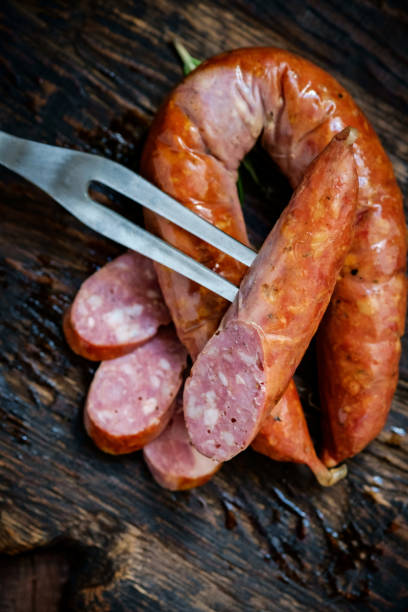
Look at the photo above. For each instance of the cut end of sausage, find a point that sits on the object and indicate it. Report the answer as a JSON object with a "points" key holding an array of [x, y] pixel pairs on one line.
{"points": [[174, 462], [129, 401], [349, 135], [224, 399]]}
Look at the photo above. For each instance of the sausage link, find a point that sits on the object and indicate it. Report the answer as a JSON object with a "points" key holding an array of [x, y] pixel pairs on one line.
{"points": [[130, 399], [246, 366], [202, 132], [176, 159]]}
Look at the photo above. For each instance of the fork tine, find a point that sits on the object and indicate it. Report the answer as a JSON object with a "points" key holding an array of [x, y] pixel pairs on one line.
{"points": [[60, 172], [65, 175], [117, 228], [135, 187]]}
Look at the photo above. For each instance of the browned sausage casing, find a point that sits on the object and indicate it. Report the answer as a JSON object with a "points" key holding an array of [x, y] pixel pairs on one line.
{"points": [[201, 134], [242, 372]]}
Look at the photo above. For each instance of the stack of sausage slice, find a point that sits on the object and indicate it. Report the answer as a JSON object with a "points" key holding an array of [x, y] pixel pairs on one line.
{"points": [[338, 250]]}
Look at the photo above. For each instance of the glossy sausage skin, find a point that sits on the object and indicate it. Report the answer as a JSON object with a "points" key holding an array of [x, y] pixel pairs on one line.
{"points": [[284, 437], [202, 132], [244, 369], [175, 158]]}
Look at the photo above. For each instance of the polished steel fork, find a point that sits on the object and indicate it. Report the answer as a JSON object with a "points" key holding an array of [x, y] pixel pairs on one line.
{"points": [[66, 175]]}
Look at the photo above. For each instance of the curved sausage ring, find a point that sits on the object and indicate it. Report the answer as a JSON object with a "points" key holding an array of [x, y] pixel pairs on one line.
{"points": [[202, 132]]}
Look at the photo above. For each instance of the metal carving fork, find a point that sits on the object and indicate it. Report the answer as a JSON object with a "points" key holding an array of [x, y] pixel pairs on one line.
{"points": [[66, 175]]}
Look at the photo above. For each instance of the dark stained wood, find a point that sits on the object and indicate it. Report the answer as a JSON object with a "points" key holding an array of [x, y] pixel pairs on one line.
{"points": [[33, 582], [260, 535]]}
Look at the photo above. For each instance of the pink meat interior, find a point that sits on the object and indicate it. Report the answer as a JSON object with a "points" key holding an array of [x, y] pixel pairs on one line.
{"points": [[131, 393], [225, 396]]}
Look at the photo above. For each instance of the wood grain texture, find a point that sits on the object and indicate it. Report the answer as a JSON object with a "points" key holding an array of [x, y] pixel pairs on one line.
{"points": [[25, 581], [261, 535]]}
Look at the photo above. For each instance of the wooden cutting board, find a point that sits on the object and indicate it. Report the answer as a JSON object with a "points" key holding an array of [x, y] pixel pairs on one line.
{"points": [[260, 535]]}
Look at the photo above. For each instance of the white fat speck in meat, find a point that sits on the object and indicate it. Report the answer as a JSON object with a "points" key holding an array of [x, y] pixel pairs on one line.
{"points": [[127, 368], [149, 405], [114, 392], [126, 332], [239, 380], [91, 322], [223, 378], [210, 351], [249, 360], [195, 410], [150, 331], [210, 398], [104, 416], [94, 301], [211, 416], [164, 364], [155, 380], [227, 437], [209, 445], [118, 315], [82, 309]]}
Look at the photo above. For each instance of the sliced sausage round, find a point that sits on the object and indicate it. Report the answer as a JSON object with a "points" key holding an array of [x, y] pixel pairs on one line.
{"points": [[116, 309], [173, 461], [129, 401]]}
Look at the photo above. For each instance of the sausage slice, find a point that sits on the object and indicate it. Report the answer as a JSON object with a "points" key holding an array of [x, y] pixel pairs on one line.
{"points": [[129, 401], [116, 309], [173, 461]]}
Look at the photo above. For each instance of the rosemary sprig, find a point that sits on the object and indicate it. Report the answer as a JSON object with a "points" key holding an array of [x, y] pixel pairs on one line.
{"points": [[189, 62]]}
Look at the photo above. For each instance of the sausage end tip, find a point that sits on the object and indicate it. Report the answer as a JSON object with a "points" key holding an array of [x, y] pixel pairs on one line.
{"points": [[328, 478], [349, 135]]}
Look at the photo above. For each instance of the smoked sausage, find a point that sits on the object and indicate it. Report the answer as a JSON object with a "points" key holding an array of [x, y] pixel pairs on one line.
{"points": [[193, 151], [245, 368]]}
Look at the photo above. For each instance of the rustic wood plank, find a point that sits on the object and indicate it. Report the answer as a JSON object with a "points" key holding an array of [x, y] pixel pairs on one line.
{"points": [[260, 535], [33, 582]]}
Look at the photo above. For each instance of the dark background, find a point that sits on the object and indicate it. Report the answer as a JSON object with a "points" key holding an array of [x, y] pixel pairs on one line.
{"points": [[83, 531]]}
